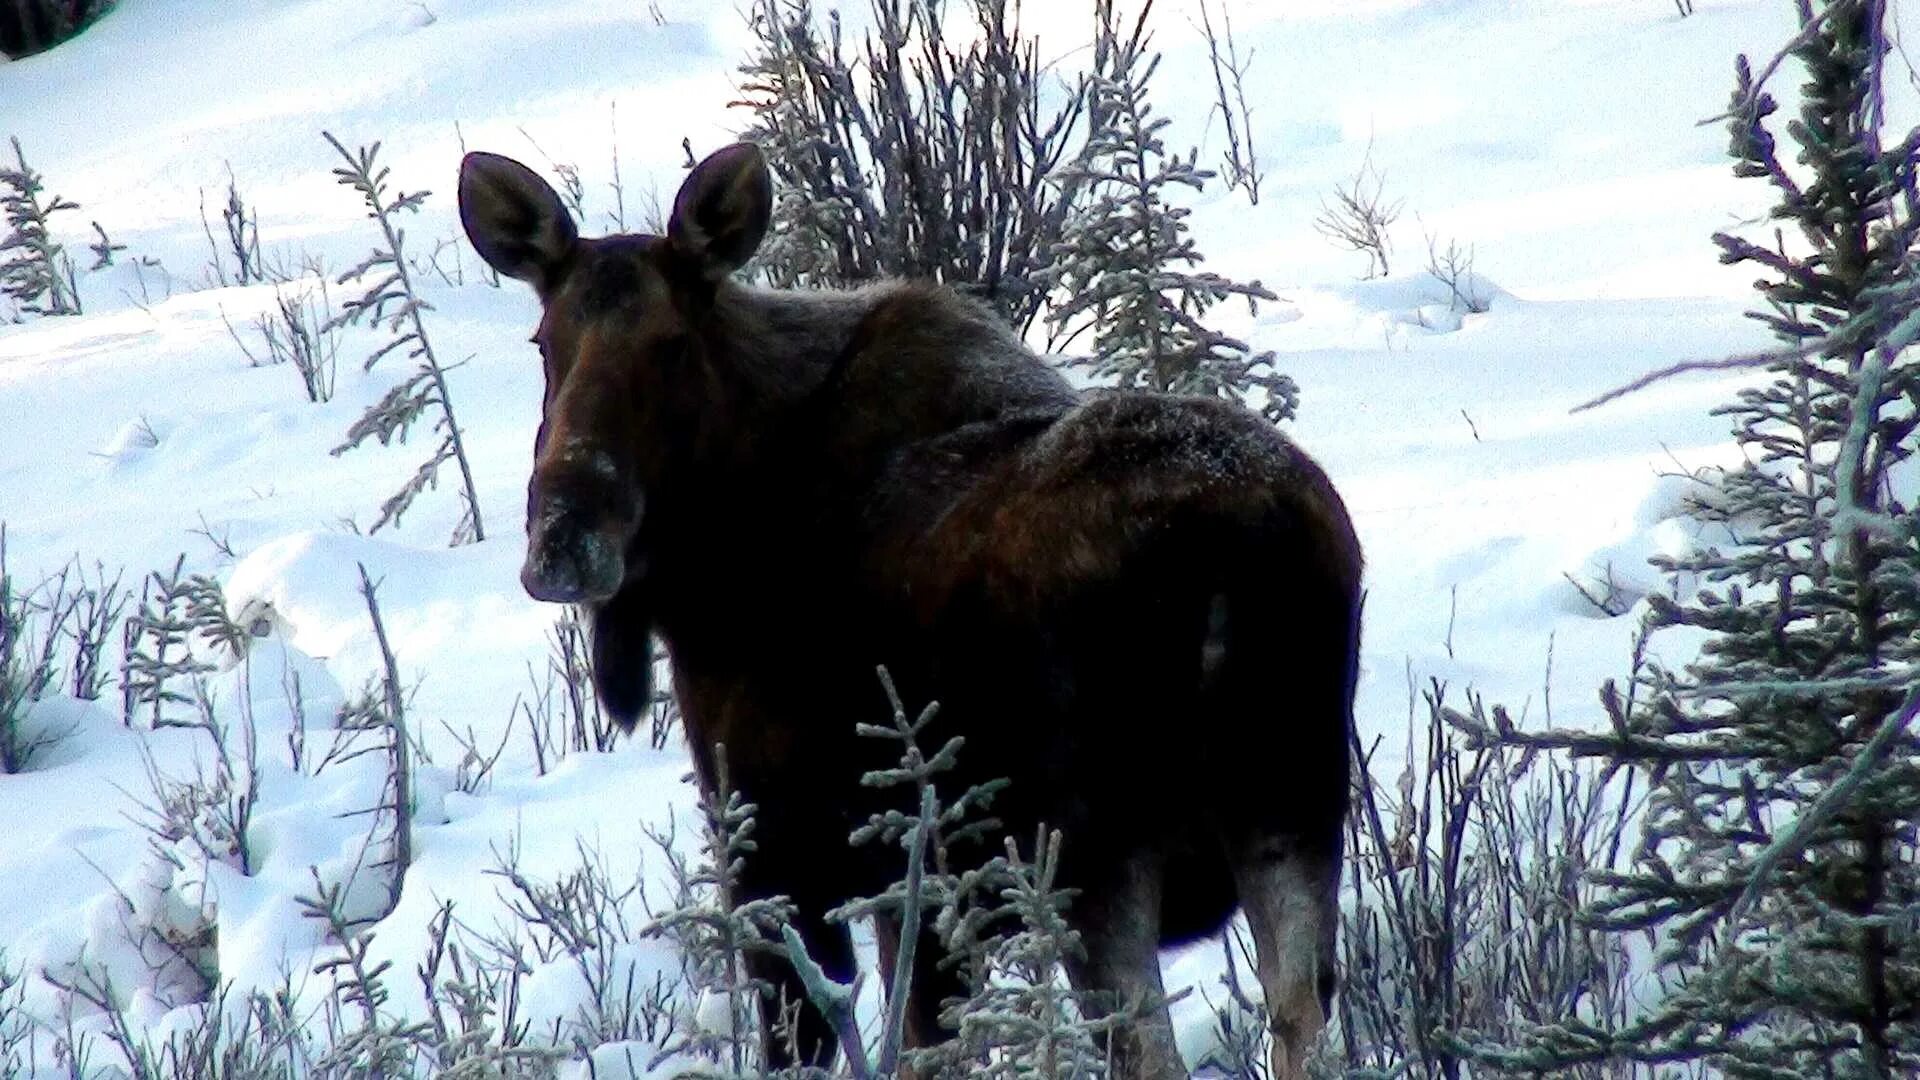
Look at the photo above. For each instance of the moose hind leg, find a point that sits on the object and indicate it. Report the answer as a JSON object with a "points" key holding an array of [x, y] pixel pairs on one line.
{"points": [[1119, 928], [1289, 889]]}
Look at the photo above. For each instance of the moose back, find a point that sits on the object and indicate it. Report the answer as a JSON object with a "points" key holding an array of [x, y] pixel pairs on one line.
{"points": [[1141, 610]]}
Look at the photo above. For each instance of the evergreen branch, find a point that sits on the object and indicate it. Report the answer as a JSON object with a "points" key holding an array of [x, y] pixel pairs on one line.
{"points": [[1866, 761], [1745, 361]]}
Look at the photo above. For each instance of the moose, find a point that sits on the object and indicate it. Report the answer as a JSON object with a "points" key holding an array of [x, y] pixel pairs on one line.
{"points": [[1140, 610]]}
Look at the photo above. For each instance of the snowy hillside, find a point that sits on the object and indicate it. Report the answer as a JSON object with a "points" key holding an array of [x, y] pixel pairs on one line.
{"points": [[1560, 140]]}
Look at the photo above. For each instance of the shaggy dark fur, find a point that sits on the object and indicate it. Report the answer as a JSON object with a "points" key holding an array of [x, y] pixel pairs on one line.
{"points": [[1142, 610]]}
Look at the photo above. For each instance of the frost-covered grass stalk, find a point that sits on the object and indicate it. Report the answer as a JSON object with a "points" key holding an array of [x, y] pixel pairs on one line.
{"points": [[239, 240], [473, 1023], [391, 301], [589, 920], [1240, 162], [17, 1027], [297, 333], [35, 271], [64, 618], [300, 332]]}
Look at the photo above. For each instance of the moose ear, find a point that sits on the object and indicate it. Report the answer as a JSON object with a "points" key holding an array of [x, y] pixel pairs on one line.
{"points": [[515, 219], [723, 209]]}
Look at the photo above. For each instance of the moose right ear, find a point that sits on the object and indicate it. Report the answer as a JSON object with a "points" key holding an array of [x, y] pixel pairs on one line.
{"points": [[515, 220]]}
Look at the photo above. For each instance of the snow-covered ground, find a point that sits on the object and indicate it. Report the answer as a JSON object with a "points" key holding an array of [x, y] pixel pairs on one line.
{"points": [[1559, 139]]}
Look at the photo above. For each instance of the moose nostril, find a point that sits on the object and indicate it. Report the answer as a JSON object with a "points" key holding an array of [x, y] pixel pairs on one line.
{"points": [[569, 561], [548, 583]]}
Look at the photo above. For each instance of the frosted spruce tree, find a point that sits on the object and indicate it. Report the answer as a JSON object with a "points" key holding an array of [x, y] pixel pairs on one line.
{"points": [[34, 270], [1778, 874], [1126, 266]]}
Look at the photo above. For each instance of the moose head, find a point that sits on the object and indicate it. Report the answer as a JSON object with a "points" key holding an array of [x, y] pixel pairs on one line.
{"points": [[630, 369]]}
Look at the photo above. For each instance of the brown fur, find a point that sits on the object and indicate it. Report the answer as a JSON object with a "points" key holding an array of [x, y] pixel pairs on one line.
{"points": [[1143, 611]]}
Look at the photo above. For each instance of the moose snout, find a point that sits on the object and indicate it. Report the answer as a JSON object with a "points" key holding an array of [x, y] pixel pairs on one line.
{"points": [[570, 558]]}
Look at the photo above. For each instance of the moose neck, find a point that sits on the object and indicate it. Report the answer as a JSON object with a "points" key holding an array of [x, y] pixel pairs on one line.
{"points": [[729, 522], [786, 342], [769, 358]]}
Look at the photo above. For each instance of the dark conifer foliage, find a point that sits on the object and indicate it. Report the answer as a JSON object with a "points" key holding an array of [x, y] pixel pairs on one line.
{"points": [[1778, 875]]}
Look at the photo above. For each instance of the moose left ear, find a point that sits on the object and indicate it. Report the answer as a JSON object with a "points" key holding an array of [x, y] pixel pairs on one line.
{"points": [[515, 220], [722, 211]]}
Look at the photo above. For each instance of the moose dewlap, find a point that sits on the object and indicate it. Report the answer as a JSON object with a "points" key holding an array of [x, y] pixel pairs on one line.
{"points": [[1143, 611]]}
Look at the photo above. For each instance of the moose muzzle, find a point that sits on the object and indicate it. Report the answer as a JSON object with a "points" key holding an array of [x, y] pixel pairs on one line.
{"points": [[569, 562], [576, 546]]}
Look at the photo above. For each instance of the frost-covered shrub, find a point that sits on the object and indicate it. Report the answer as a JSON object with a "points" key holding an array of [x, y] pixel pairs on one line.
{"points": [[911, 155], [1466, 872], [66, 618], [1359, 217]]}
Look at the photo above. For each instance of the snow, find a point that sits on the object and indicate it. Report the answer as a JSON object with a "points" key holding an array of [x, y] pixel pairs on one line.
{"points": [[1562, 142]]}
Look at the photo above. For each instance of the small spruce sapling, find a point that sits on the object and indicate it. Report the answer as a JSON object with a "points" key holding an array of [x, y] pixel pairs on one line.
{"points": [[157, 640], [1001, 924], [1125, 266], [1019, 1021], [391, 301], [34, 269], [369, 1037], [103, 248], [715, 935]]}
